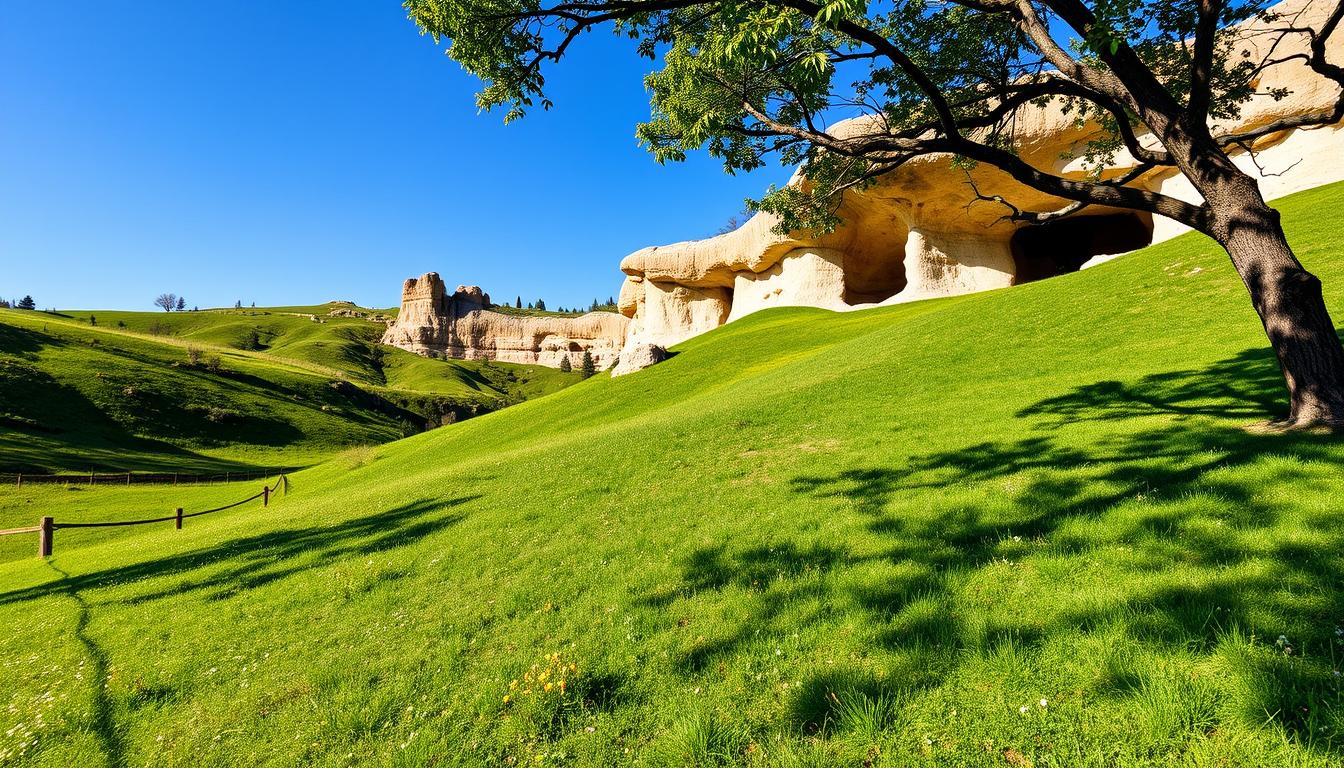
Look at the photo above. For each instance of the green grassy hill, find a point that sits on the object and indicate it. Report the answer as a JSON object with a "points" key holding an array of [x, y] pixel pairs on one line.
{"points": [[116, 390], [1027, 527]]}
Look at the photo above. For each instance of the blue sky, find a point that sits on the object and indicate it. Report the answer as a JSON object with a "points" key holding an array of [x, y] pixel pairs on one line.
{"points": [[261, 151]]}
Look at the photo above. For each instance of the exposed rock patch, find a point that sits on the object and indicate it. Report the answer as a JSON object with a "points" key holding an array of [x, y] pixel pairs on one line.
{"points": [[637, 357]]}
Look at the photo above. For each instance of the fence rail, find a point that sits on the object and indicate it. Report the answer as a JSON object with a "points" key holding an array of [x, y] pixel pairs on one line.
{"points": [[47, 526], [20, 479]]}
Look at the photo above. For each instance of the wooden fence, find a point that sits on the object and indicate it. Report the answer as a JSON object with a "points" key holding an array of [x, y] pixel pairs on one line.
{"points": [[20, 479], [47, 527]]}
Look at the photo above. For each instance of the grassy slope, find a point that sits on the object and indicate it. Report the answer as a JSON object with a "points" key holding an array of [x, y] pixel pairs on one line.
{"points": [[1019, 526], [291, 415]]}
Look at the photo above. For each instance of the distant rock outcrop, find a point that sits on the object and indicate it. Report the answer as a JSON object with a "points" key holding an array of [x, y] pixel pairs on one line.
{"points": [[461, 325]]}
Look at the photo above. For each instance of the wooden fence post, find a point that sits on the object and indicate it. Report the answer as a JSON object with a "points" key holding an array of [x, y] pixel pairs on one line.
{"points": [[128, 478], [285, 484], [45, 529], [265, 495], [20, 479], [179, 518]]}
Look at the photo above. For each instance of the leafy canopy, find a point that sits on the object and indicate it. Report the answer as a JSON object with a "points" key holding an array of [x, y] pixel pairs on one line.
{"points": [[748, 80]]}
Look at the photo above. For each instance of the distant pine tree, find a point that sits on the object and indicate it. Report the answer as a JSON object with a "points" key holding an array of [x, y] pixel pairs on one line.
{"points": [[518, 303], [588, 367], [93, 320], [565, 366], [541, 305], [26, 303], [181, 304]]}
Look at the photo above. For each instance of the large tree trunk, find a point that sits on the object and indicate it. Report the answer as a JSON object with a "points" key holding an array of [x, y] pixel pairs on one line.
{"points": [[1288, 299]]}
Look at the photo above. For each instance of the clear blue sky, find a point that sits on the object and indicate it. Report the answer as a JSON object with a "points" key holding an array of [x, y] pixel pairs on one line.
{"points": [[290, 152]]}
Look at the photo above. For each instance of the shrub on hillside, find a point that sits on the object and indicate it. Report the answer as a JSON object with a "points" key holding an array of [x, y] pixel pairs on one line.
{"points": [[588, 367], [565, 365], [213, 364], [194, 355], [250, 340], [216, 414]]}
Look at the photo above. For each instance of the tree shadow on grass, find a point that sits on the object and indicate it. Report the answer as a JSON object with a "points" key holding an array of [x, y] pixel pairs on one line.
{"points": [[250, 562], [1185, 490]]}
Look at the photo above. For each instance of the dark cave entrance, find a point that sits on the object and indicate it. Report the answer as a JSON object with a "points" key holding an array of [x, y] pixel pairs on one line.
{"points": [[1060, 247], [874, 267]]}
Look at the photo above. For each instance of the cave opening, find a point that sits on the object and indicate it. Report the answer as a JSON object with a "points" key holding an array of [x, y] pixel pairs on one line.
{"points": [[1060, 247], [874, 266]]}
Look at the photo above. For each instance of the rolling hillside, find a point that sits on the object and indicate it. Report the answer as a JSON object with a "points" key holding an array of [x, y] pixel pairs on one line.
{"points": [[1027, 527], [119, 391]]}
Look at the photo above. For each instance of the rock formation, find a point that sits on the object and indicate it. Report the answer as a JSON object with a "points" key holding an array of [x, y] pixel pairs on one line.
{"points": [[919, 232], [637, 357], [461, 325]]}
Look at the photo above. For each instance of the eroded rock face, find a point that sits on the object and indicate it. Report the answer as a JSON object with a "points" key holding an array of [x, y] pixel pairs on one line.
{"points": [[637, 357], [460, 325], [919, 233]]}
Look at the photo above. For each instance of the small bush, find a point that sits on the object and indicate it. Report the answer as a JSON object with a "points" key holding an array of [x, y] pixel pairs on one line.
{"points": [[358, 456], [194, 355], [251, 340], [213, 364], [223, 415], [565, 365]]}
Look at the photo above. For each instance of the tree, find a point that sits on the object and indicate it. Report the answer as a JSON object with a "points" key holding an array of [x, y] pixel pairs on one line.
{"points": [[587, 366], [238, 304], [749, 79], [518, 303], [565, 365], [26, 303], [93, 320], [167, 301], [541, 304], [181, 304]]}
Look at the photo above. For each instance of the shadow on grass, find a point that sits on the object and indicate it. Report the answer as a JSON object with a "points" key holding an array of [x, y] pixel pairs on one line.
{"points": [[255, 561], [252, 562], [1181, 491], [103, 718]]}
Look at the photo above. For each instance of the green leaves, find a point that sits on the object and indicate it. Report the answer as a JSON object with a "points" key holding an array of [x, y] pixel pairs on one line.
{"points": [[745, 79]]}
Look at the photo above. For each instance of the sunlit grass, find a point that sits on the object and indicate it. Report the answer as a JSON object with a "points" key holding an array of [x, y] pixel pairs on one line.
{"points": [[1024, 527]]}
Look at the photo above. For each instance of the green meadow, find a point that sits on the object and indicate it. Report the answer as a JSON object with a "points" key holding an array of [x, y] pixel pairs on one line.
{"points": [[1035, 526], [118, 391]]}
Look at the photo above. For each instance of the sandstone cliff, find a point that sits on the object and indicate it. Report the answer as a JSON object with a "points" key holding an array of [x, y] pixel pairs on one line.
{"points": [[461, 325], [919, 232]]}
